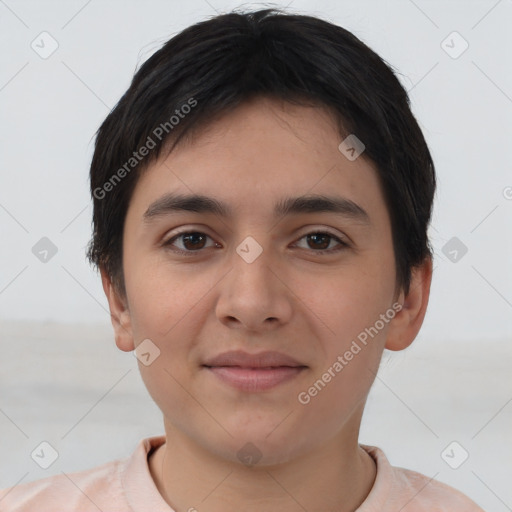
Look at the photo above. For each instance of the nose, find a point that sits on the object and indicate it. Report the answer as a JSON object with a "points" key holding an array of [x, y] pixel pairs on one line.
{"points": [[254, 295]]}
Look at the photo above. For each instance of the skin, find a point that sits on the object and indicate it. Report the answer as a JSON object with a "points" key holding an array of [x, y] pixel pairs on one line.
{"points": [[290, 299]]}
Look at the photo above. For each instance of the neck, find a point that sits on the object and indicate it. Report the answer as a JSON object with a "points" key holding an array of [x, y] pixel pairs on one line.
{"points": [[336, 476]]}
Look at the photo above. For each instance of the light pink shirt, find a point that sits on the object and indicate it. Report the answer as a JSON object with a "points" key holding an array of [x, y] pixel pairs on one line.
{"points": [[127, 486]]}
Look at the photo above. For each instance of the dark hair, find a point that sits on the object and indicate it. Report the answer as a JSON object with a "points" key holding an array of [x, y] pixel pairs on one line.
{"points": [[211, 67]]}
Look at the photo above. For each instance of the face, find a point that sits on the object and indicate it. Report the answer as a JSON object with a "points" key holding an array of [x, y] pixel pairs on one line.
{"points": [[305, 283]]}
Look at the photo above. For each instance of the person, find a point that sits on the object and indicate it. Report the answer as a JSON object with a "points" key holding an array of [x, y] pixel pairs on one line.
{"points": [[262, 193]]}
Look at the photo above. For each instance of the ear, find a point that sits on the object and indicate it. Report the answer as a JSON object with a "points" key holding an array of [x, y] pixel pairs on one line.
{"points": [[119, 314], [407, 322]]}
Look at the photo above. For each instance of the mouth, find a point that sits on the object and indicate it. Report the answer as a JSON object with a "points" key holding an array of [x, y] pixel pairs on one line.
{"points": [[254, 372]]}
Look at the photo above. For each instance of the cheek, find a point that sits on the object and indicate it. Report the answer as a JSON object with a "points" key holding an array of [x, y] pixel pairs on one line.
{"points": [[170, 308], [351, 305], [353, 340], [347, 300], [161, 296], [165, 307]]}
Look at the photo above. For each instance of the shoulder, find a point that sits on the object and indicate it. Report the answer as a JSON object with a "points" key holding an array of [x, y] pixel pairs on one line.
{"points": [[424, 493], [402, 489], [82, 491]]}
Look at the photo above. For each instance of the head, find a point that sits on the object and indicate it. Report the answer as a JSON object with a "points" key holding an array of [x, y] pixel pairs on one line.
{"points": [[249, 110]]}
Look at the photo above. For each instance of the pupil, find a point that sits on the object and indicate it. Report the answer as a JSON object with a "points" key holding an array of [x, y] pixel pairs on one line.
{"points": [[316, 237], [193, 237]]}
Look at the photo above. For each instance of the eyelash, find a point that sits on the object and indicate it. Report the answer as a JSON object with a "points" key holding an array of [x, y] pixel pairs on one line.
{"points": [[342, 245]]}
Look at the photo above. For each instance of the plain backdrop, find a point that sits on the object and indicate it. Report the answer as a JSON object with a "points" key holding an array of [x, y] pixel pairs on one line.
{"points": [[62, 380]]}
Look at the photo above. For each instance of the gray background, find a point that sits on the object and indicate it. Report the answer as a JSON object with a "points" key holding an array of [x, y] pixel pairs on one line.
{"points": [[61, 377]]}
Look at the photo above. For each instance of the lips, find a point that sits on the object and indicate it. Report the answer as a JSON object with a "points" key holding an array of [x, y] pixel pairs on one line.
{"points": [[253, 372], [268, 359]]}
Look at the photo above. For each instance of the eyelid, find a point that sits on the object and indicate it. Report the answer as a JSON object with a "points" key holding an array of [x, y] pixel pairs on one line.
{"points": [[186, 229], [341, 242], [342, 239], [314, 228], [166, 242]]}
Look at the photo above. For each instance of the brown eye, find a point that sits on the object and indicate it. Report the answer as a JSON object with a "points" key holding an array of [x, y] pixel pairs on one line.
{"points": [[319, 242], [188, 242], [193, 241]]}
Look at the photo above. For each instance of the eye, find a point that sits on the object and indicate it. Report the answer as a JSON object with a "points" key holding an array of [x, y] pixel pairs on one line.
{"points": [[192, 241], [319, 242]]}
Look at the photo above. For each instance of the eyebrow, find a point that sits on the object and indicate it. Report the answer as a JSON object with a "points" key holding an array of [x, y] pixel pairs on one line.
{"points": [[313, 203]]}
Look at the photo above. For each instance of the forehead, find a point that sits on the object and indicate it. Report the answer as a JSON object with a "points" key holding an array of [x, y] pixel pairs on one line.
{"points": [[254, 157]]}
